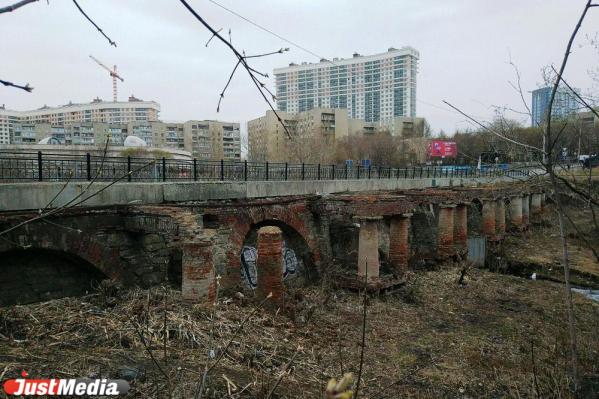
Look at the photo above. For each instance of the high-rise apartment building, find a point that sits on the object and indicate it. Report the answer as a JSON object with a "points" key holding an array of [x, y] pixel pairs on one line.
{"points": [[134, 110], [92, 123], [208, 140], [373, 88], [565, 104]]}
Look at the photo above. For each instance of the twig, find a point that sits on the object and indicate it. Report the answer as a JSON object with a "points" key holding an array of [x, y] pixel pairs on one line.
{"points": [[70, 204], [222, 93], [534, 368], [491, 130], [582, 100], [27, 88], [212, 37], [147, 348], [363, 343], [272, 391], [16, 5], [224, 351], [112, 43], [241, 59]]}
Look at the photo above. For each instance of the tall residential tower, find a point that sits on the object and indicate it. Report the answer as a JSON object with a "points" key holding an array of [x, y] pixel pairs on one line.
{"points": [[373, 88], [565, 104]]}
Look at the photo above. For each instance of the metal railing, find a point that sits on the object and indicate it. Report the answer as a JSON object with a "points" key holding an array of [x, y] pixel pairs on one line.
{"points": [[23, 167]]}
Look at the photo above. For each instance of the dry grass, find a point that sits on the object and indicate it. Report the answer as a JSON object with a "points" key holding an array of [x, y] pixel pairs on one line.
{"points": [[542, 246], [471, 341]]}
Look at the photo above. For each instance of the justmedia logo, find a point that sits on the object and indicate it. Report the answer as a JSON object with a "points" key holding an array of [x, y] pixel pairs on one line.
{"points": [[64, 387]]}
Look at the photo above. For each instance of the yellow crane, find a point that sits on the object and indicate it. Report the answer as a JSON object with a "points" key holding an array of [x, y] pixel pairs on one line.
{"points": [[113, 74]]}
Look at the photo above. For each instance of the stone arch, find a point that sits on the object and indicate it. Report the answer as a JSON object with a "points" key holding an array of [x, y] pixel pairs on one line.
{"points": [[297, 248], [40, 274], [293, 219], [68, 241]]}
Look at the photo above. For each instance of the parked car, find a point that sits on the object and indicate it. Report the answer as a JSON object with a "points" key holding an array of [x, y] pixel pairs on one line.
{"points": [[590, 162]]}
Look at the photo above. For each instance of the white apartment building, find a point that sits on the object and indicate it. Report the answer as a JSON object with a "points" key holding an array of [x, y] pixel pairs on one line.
{"points": [[134, 110], [373, 88]]}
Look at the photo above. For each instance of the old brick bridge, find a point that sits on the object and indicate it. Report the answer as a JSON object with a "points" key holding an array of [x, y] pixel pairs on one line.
{"points": [[261, 234]]}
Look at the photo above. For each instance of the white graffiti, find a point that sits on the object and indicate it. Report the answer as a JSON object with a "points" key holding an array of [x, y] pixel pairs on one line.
{"points": [[290, 265]]}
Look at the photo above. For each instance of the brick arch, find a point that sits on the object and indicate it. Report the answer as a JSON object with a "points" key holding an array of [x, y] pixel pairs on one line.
{"points": [[293, 216], [70, 242]]}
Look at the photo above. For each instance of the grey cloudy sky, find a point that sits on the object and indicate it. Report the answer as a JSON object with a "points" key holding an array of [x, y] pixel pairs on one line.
{"points": [[464, 45]]}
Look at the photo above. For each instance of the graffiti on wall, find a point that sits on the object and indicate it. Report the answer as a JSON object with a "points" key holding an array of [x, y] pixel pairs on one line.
{"points": [[290, 265]]}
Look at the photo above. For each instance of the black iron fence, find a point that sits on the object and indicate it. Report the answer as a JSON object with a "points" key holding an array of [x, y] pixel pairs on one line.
{"points": [[23, 167]]}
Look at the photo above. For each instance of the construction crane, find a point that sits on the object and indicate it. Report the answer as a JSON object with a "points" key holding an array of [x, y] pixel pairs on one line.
{"points": [[113, 74]]}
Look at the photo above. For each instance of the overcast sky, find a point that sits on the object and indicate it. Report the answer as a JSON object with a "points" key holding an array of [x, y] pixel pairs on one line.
{"points": [[464, 46]]}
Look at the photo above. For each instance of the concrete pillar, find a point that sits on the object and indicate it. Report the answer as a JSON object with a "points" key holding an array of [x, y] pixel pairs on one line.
{"points": [[525, 210], [198, 280], [535, 205], [516, 212], [500, 218], [460, 229], [399, 245], [368, 246], [489, 218], [269, 264], [445, 228]]}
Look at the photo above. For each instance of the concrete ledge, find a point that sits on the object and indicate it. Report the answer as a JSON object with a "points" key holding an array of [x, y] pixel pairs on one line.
{"points": [[27, 196]]}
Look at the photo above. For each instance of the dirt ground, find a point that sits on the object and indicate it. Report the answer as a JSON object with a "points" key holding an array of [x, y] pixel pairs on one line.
{"points": [[434, 339], [541, 249]]}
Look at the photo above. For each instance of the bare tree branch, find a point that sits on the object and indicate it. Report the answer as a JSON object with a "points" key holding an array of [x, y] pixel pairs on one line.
{"points": [[112, 43], [212, 37], [582, 100], [519, 86], [222, 93], [241, 59], [27, 88], [16, 5], [491, 130]]}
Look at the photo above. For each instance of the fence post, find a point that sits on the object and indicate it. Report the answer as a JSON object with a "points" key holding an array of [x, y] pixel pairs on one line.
{"points": [[39, 165], [286, 168], [88, 162], [346, 177], [245, 170], [163, 169], [358, 171], [379, 171], [389, 173], [318, 171], [369, 170], [333, 171], [428, 172], [413, 172], [303, 171], [421, 172], [266, 169], [128, 167], [222, 170], [195, 169]]}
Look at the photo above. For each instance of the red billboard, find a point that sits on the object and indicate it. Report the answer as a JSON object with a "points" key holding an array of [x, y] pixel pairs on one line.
{"points": [[440, 148]]}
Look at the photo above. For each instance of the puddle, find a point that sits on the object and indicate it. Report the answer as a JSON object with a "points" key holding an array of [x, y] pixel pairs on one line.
{"points": [[591, 294]]}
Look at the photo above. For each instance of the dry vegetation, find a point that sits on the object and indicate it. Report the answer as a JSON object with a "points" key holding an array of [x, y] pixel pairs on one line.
{"points": [[454, 341]]}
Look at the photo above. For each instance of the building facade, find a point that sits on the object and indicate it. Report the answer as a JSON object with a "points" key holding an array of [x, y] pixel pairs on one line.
{"points": [[311, 135], [208, 140], [92, 123], [565, 104], [373, 88], [134, 110]]}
